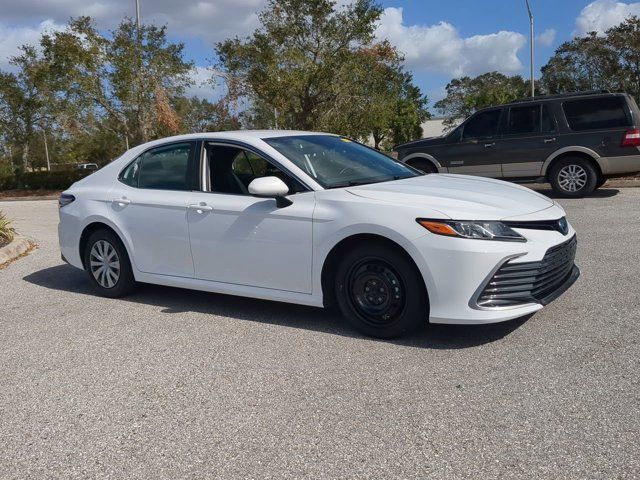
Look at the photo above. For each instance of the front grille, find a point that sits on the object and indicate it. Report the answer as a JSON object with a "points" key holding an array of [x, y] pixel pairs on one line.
{"points": [[520, 283]]}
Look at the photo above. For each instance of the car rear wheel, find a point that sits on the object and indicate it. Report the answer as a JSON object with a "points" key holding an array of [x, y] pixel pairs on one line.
{"points": [[381, 292], [573, 177], [107, 263]]}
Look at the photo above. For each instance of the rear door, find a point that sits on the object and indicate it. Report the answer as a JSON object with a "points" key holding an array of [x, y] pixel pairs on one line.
{"points": [[149, 204], [530, 136], [476, 151]]}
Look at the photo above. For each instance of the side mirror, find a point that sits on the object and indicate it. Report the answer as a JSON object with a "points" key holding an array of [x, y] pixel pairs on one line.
{"points": [[270, 187]]}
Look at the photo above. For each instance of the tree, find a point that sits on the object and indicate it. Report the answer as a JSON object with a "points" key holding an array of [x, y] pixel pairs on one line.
{"points": [[25, 101], [465, 95], [594, 62], [201, 115], [127, 81], [315, 66]]}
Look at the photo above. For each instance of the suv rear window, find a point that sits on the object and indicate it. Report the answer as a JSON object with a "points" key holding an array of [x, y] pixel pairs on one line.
{"points": [[595, 113]]}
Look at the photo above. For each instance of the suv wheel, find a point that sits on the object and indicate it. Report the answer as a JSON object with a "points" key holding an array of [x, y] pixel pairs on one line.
{"points": [[573, 177], [107, 264], [381, 292], [424, 166]]}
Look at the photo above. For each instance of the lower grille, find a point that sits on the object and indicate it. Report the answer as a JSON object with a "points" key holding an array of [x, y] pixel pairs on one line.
{"points": [[520, 283]]}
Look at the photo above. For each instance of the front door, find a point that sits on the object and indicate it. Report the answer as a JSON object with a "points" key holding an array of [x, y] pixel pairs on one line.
{"points": [[478, 150], [149, 204], [240, 239]]}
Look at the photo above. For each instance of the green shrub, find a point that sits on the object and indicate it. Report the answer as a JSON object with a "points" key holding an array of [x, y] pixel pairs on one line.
{"points": [[59, 180], [6, 230]]}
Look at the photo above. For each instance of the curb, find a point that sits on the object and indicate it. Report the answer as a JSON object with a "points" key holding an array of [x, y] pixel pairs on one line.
{"points": [[28, 199], [19, 246]]}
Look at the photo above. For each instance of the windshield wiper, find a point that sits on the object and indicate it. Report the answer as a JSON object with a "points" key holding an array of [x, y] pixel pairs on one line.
{"points": [[365, 181]]}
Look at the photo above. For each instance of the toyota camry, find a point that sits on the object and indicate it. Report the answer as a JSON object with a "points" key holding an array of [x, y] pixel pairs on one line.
{"points": [[320, 220]]}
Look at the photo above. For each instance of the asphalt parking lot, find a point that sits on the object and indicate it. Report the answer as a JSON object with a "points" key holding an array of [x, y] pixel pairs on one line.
{"points": [[176, 384]]}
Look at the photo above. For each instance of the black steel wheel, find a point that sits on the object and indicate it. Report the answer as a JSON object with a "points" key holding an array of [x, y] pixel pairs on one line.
{"points": [[380, 291], [376, 291]]}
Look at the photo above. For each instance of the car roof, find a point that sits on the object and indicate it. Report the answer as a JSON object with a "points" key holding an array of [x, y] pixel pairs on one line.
{"points": [[243, 135]]}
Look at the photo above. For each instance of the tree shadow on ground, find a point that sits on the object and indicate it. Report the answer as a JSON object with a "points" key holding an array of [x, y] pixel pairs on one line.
{"points": [[173, 301]]}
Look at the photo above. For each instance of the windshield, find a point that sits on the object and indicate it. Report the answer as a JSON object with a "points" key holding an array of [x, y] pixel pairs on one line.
{"points": [[339, 162]]}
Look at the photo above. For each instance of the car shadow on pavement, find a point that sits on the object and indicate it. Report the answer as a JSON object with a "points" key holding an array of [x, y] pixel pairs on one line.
{"points": [[176, 300], [599, 193]]}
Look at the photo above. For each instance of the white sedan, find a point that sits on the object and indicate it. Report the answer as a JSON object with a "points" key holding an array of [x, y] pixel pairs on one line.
{"points": [[320, 220]]}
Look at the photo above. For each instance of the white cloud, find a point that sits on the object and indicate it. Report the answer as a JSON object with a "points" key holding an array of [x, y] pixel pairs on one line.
{"points": [[202, 86], [600, 15], [12, 38], [547, 37], [440, 48], [212, 20]]}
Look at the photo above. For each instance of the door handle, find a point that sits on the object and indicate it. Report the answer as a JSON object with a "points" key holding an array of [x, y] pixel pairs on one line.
{"points": [[121, 201], [488, 145], [201, 208], [549, 140]]}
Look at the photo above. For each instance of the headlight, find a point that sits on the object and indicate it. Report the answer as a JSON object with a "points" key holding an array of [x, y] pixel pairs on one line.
{"points": [[472, 229]]}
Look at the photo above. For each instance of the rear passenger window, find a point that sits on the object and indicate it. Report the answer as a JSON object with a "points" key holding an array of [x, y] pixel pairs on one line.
{"points": [[524, 119], [548, 122], [166, 168], [595, 113], [484, 124], [130, 174]]}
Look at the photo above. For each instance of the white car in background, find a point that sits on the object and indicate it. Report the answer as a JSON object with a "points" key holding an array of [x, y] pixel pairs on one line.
{"points": [[317, 219]]}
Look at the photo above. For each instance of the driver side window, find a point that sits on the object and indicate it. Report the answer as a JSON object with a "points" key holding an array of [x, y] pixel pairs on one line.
{"points": [[232, 169], [483, 125]]}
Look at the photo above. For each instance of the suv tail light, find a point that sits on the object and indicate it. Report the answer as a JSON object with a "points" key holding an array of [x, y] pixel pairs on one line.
{"points": [[631, 138]]}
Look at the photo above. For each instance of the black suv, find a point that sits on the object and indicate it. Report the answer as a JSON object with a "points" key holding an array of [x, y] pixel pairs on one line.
{"points": [[573, 141]]}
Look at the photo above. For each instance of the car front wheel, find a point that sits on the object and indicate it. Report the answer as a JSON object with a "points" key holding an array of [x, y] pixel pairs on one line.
{"points": [[107, 263], [574, 177], [381, 292]]}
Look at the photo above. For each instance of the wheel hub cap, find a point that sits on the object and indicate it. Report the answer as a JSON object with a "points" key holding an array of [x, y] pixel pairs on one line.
{"points": [[572, 178], [104, 264]]}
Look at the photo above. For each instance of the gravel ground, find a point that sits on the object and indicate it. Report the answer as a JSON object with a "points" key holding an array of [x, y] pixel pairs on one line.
{"points": [[176, 384]]}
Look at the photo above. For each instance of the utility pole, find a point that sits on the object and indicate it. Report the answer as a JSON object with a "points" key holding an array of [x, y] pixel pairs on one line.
{"points": [[533, 90], [46, 150]]}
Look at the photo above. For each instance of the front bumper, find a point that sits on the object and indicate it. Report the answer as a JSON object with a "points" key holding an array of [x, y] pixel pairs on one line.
{"points": [[456, 269], [563, 287]]}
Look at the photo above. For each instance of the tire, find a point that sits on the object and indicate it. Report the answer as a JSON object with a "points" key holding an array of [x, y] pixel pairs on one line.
{"points": [[380, 266], [118, 280], [601, 181], [424, 166], [573, 177]]}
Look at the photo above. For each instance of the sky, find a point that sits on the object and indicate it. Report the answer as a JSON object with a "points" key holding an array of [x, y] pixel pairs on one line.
{"points": [[439, 39]]}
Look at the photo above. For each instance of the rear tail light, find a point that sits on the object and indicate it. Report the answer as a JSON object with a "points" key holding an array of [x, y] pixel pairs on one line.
{"points": [[631, 138], [65, 199]]}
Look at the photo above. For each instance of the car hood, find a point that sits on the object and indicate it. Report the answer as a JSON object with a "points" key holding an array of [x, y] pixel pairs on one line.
{"points": [[460, 197]]}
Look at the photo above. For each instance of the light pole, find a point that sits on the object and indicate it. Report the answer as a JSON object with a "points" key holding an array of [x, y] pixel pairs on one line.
{"points": [[533, 91], [46, 150], [138, 14]]}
